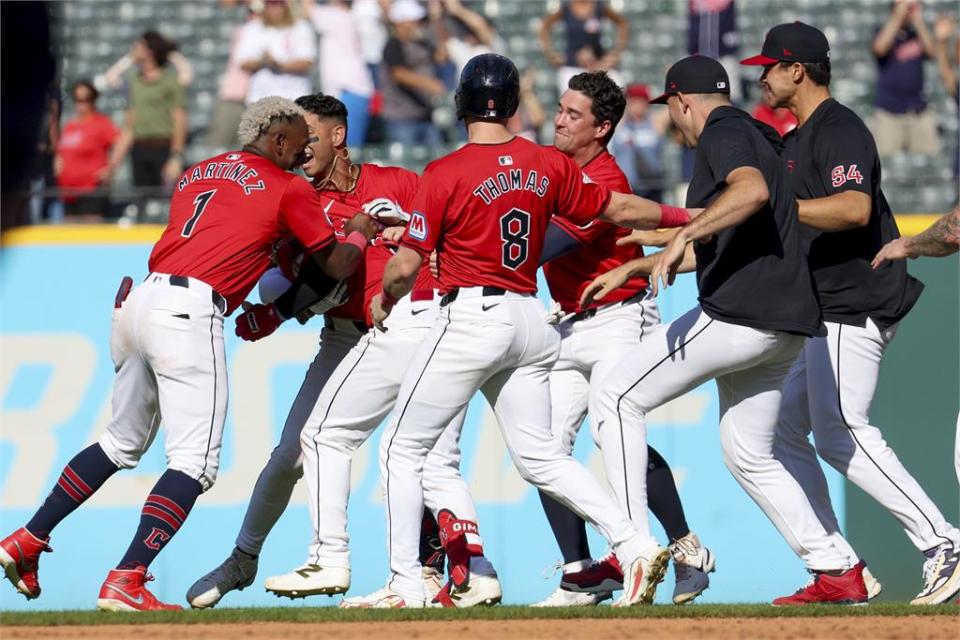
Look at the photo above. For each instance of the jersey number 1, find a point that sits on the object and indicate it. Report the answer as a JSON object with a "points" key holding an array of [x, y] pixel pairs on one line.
{"points": [[514, 231], [199, 204]]}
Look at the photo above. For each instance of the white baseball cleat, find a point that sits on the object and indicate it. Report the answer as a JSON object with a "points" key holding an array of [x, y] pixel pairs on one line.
{"points": [[691, 564], [482, 588], [872, 584], [384, 598], [310, 580], [641, 577], [941, 576], [564, 598], [432, 583]]}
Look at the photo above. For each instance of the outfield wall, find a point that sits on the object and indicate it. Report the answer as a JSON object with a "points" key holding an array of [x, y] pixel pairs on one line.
{"points": [[56, 291]]}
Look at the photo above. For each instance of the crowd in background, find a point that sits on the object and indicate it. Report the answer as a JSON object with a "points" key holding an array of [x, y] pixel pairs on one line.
{"points": [[395, 64]]}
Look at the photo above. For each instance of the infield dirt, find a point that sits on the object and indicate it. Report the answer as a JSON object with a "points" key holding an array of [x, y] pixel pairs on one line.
{"points": [[852, 628]]}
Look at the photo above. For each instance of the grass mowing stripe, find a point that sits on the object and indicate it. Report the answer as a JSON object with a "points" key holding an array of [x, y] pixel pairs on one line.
{"points": [[331, 614]]}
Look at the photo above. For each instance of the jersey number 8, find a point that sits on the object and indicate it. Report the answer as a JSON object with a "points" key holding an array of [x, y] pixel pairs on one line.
{"points": [[514, 231]]}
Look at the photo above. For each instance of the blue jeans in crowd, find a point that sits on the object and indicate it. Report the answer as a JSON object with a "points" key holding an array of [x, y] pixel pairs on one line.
{"points": [[411, 132]]}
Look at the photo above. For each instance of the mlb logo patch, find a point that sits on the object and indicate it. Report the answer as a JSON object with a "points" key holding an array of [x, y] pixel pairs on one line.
{"points": [[417, 227], [586, 178], [505, 161], [233, 156]]}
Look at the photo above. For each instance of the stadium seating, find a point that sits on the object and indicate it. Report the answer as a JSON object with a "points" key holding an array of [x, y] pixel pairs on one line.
{"points": [[92, 35]]}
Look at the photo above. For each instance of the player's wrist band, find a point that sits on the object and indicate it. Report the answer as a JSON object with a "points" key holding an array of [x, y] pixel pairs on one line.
{"points": [[358, 240], [387, 299], [673, 216]]}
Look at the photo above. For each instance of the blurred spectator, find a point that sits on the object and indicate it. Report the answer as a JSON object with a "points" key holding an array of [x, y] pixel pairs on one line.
{"points": [[464, 32], [583, 25], [638, 143], [115, 76], [369, 16], [83, 156], [712, 31], [155, 129], [530, 116], [945, 31], [902, 120], [232, 95], [44, 206], [409, 77], [780, 119], [343, 73], [279, 51]]}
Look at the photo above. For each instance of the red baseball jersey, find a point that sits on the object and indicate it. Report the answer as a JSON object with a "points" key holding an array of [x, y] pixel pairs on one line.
{"points": [[225, 214], [485, 208], [399, 185], [568, 275]]}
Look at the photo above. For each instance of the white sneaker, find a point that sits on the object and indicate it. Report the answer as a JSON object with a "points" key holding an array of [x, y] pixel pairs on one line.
{"points": [[691, 564], [641, 577], [482, 588], [872, 584], [941, 576], [563, 598], [384, 598], [432, 582], [310, 580]]}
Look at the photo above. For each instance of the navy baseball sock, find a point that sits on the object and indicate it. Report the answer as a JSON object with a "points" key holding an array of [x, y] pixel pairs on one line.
{"points": [[569, 530], [79, 480], [163, 514], [662, 496]]}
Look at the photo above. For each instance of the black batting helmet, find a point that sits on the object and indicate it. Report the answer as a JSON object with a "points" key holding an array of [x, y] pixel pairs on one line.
{"points": [[489, 88]]}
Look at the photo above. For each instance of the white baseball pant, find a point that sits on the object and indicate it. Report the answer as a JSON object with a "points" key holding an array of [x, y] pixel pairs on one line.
{"points": [[358, 396], [271, 494], [589, 351], [829, 391], [167, 349], [500, 345], [749, 366]]}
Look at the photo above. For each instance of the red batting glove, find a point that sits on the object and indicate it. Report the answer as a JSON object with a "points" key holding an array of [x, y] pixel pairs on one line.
{"points": [[257, 322]]}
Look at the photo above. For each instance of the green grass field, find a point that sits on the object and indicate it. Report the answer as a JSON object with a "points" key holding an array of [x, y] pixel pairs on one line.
{"points": [[331, 614]]}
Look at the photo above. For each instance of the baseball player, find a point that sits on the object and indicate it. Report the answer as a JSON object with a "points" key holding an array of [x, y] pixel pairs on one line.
{"points": [[360, 392], [756, 305], [343, 189], [592, 339], [167, 341], [485, 208], [834, 170]]}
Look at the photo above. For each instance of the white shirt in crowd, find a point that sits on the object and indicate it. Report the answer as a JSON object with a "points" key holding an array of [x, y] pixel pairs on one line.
{"points": [[297, 42], [342, 66], [368, 18]]}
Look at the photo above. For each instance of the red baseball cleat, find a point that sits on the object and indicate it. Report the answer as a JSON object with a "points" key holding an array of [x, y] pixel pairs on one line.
{"points": [[603, 576], [20, 557], [124, 590], [847, 588]]}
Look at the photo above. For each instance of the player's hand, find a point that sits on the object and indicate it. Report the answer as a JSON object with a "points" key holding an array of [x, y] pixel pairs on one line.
{"points": [[386, 212], [364, 224], [393, 234], [172, 169], [434, 265], [666, 264], [257, 321], [378, 312], [649, 238], [604, 284], [894, 250]]}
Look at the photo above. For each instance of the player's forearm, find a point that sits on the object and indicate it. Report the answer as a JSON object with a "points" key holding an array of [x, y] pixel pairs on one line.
{"points": [[942, 238], [742, 198], [311, 286], [841, 211], [632, 211], [401, 272], [340, 263]]}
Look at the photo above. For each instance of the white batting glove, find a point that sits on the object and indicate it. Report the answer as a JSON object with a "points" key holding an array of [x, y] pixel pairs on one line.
{"points": [[386, 211]]}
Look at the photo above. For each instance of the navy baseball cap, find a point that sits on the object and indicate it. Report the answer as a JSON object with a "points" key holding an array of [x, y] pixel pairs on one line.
{"points": [[792, 42], [694, 74]]}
